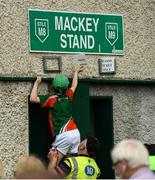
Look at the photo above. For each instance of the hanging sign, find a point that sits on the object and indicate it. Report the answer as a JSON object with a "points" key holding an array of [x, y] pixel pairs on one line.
{"points": [[73, 32]]}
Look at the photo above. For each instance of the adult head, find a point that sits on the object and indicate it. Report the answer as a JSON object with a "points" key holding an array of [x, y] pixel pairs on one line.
{"points": [[128, 156], [60, 83], [30, 167], [89, 146]]}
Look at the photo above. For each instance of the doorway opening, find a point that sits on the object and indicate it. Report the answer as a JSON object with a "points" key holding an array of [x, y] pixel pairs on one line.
{"points": [[101, 113], [39, 131]]}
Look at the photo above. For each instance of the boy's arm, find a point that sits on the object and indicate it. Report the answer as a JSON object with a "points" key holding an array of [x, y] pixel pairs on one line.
{"points": [[75, 78], [34, 93]]}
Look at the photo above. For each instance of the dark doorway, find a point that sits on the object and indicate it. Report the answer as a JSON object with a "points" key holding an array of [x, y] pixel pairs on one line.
{"points": [[81, 109], [101, 114], [39, 131]]}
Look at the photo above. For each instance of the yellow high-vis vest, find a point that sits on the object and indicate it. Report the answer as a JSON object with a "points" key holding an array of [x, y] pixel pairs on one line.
{"points": [[152, 162], [82, 167]]}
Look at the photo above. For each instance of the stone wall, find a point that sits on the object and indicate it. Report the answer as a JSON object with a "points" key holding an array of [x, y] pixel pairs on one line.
{"points": [[133, 110], [13, 124]]}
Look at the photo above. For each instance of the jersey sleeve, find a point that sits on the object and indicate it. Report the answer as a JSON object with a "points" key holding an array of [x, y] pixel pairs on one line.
{"points": [[47, 101], [70, 94]]}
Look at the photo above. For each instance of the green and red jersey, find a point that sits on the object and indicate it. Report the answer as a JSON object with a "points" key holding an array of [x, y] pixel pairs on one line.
{"points": [[60, 112]]}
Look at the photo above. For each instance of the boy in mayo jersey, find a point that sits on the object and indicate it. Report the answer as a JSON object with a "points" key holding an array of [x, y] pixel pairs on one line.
{"points": [[59, 106]]}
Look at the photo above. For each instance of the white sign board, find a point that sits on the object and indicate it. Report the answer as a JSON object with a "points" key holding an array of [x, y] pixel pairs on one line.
{"points": [[107, 65]]}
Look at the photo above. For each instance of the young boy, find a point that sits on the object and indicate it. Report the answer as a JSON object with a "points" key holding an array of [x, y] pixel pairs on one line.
{"points": [[61, 122]]}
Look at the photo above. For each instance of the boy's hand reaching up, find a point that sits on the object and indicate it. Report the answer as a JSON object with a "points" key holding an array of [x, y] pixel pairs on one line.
{"points": [[79, 69]]}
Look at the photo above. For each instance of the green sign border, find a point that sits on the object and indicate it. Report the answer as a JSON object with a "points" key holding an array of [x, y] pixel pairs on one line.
{"points": [[76, 52]]}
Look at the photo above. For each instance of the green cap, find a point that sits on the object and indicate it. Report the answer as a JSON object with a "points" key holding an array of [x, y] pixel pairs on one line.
{"points": [[60, 82]]}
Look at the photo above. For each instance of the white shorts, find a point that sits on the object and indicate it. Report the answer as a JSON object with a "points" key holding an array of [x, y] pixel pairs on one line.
{"points": [[67, 142]]}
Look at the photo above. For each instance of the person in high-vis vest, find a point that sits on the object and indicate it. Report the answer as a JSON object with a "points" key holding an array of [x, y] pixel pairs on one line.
{"points": [[152, 162], [151, 150], [82, 166]]}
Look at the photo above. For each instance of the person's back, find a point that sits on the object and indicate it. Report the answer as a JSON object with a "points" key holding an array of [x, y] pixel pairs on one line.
{"points": [[62, 106], [60, 110], [61, 113]]}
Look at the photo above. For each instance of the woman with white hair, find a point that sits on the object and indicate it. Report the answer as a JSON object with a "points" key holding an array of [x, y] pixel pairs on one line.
{"points": [[131, 160]]}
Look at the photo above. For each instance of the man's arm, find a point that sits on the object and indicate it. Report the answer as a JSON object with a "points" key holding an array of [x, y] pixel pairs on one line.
{"points": [[61, 169], [34, 93], [75, 78], [53, 158]]}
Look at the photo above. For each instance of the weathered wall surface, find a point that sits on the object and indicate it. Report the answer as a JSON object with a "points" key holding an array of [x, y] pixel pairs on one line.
{"points": [[133, 111], [133, 106], [13, 124], [139, 23]]}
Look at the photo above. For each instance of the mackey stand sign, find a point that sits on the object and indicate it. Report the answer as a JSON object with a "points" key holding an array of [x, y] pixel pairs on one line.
{"points": [[75, 32]]}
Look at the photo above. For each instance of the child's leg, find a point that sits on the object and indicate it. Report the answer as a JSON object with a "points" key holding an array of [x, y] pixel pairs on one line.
{"points": [[67, 142], [62, 145], [75, 142]]}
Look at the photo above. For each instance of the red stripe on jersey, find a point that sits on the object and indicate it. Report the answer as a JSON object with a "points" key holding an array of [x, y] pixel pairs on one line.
{"points": [[50, 102], [71, 125], [51, 124], [70, 93]]}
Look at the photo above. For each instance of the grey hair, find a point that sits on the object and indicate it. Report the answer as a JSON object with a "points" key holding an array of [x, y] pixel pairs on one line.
{"points": [[131, 150]]}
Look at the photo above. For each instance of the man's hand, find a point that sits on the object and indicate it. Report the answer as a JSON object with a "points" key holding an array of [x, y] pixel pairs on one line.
{"points": [[53, 157]]}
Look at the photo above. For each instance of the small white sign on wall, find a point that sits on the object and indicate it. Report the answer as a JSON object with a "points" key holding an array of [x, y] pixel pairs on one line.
{"points": [[107, 65]]}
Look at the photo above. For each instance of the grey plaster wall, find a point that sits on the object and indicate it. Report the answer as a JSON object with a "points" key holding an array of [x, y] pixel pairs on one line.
{"points": [[133, 111], [14, 126], [139, 29]]}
